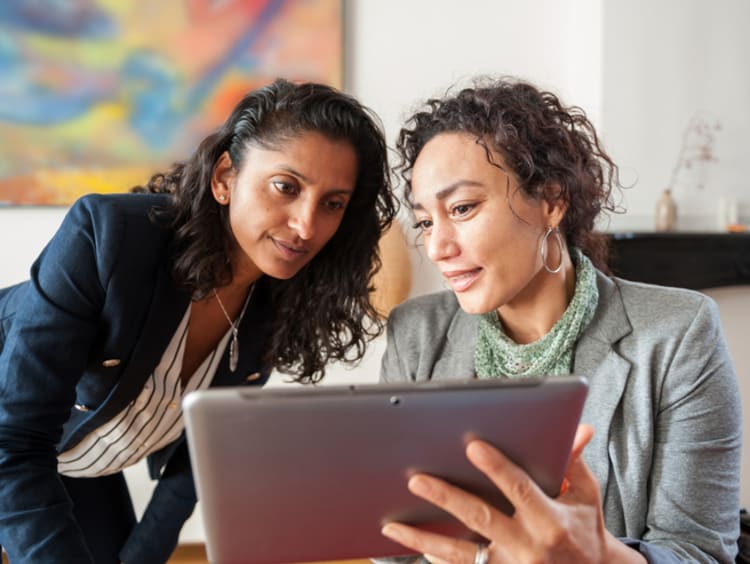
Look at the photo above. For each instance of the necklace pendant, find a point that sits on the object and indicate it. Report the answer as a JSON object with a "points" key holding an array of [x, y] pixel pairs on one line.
{"points": [[234, 353], [234, 349]]}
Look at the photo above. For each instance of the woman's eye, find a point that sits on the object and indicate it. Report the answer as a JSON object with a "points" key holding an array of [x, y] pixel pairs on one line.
{"points": [[462, 209], [335, 205], [284, 187], [423, 224]]}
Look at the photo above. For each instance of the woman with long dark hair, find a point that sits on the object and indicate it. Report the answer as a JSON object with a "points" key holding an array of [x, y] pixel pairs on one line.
{"points": [[258, 252]]}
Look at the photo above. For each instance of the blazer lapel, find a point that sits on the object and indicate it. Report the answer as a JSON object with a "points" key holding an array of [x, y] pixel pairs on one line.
{"points": [[607, 372], [168, 305]]}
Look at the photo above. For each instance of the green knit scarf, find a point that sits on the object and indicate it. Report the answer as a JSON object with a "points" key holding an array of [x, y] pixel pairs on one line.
{"points": [[498, 356]]}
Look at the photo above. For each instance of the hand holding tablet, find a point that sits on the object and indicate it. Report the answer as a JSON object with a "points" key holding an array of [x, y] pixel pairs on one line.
{"points": [[534, 510]]}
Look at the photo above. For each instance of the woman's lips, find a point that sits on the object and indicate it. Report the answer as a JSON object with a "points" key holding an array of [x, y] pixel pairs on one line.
{"points": [[461, 280], [287, 250]]}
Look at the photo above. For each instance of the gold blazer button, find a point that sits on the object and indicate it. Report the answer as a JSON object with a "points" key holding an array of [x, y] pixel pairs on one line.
{"points": [[252, 377], [110, 362], [81, 407]]}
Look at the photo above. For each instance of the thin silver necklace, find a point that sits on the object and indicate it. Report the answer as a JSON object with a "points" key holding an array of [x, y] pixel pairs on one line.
{"points": [[234, 348]]}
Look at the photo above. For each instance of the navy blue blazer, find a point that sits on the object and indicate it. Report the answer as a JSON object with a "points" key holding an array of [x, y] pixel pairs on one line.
{"points": [[77, 343]]}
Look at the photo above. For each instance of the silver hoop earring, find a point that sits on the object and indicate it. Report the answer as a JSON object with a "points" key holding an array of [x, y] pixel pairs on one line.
{"points": [[543, 249]]}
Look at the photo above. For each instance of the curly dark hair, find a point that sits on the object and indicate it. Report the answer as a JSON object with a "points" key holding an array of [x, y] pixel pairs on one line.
{"points": [[553, 150], [323, 313]]}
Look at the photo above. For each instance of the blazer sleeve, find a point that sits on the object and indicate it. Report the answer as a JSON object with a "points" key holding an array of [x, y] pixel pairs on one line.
{"points": [[44, 355], [155, 536], [693, 507]]}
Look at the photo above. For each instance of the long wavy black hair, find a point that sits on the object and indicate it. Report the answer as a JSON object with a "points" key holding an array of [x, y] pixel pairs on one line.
{"points": [[324, 312], [553, 150]]}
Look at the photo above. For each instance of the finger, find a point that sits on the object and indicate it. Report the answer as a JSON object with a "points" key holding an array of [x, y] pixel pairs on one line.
{"points": [[439, 547], [475, 513], [582, 438], [584, 433], [582, 484], [527, 498]]}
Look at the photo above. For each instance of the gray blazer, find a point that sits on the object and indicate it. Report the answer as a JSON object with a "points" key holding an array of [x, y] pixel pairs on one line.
{"points": [[663, 401]]}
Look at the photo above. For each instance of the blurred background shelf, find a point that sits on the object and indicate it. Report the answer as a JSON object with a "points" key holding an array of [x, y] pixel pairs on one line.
{"points": [[696, 260]]}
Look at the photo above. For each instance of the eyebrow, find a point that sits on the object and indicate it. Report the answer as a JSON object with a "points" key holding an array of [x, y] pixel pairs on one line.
{"points": [[448, 190], [298, 174], [294, 172]]}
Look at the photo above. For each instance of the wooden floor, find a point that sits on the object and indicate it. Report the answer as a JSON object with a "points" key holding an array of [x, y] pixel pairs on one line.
{"points": [[189, 554]]}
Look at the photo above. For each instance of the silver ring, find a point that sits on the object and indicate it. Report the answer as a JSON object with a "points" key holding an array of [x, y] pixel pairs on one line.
{"points": [[483, 554]]}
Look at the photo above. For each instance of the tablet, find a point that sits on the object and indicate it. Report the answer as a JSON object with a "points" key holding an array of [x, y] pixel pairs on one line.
{"points": [[309, 474]]}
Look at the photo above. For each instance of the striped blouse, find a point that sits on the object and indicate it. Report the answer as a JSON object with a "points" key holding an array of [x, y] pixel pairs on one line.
{"points": [[150, 422]]}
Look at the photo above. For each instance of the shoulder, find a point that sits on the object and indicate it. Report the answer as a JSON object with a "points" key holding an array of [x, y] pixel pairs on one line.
{"points": [[654, 318], [428, 322], [429, 335], [114, 218], [128, 205], [431, 310], [649, 305], [109, 232]]}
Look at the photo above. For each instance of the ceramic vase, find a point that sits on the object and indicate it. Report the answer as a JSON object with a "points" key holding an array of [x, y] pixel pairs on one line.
{"points": [[666, 212]]}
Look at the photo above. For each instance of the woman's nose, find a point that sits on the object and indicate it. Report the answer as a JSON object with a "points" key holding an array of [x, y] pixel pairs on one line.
{"points": [[440, 243], [302, 220]]}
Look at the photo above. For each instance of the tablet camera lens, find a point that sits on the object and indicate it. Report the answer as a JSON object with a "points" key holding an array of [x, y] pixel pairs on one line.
{"points": [[395, 400]]}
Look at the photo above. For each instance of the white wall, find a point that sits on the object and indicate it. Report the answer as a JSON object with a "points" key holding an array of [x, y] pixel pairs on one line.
{"points": [[400, 52], [664, 61]]}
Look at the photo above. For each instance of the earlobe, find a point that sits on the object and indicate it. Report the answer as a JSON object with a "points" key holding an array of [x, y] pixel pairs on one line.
{"points": [[222, 179]]}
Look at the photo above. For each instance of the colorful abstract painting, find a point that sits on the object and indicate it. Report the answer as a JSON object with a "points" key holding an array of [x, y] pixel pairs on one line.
{"points": [[95, 95]]}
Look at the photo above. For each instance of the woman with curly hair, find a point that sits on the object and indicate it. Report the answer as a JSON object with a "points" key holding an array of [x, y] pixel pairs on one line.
{"points": [[256, 253], [506, 184]]}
